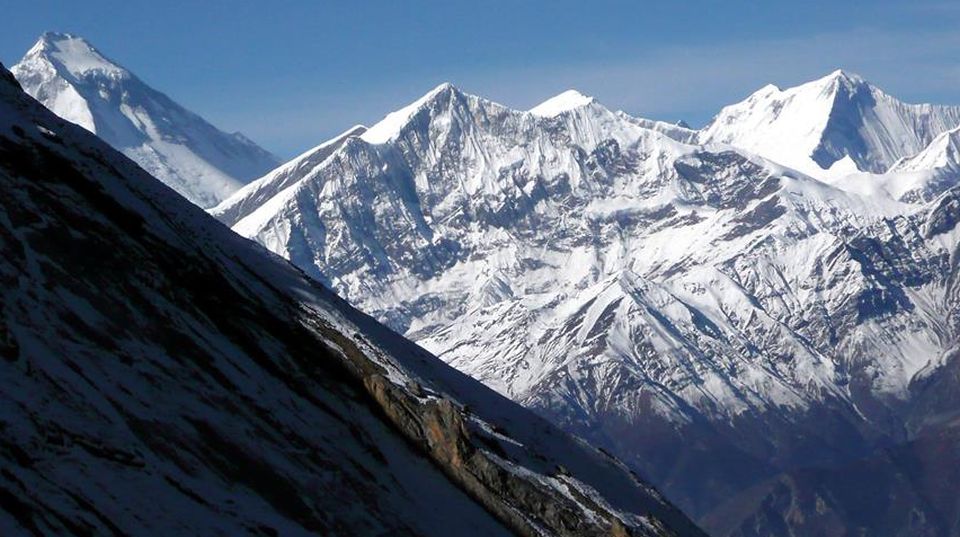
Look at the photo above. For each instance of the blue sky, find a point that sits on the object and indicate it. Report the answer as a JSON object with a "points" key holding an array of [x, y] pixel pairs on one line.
{"points": [[292, 73]]}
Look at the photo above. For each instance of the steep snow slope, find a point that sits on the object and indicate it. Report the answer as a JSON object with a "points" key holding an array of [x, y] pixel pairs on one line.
{"points": [[682, 305], [594, 202], [161, 375], [78, 83], [835, 125], [942, 153], [920, 178], [252, 196]]}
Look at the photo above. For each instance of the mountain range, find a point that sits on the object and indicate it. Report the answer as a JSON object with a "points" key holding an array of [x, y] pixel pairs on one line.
{"points": [[78, 83], [760, 315], [839, 123], [162, 375]]}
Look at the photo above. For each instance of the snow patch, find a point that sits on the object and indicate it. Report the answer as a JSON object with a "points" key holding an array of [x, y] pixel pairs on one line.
{"points": [[564, 102]]}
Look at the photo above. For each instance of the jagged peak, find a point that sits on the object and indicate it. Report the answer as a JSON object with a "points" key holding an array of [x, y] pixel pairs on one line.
{"points": [[830, 82], [72, 53], [842, 75], [564, 102], [390, 126], [840, 79], [942, 152], [48, 40]]}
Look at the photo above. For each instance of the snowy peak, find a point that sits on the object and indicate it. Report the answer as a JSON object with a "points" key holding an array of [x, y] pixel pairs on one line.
{"points": [[446, 110], [390, 126], [943, 153], [841, 78], [825, 87], [72, 54], [823, 126], [564, 102], [179, 361], [80, 84], [592, 266]]}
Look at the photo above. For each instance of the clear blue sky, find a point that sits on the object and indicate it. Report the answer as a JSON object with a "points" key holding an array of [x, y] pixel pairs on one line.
{"points": [[291, 73]]}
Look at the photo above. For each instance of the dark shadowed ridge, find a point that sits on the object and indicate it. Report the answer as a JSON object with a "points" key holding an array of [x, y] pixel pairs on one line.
{"points": [[162, 375]]}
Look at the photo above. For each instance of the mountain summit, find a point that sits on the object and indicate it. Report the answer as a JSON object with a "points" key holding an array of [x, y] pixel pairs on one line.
{"points": [[390, 126], [163, 376], [561, 103], [77, 82], [713, 317], [834, 125]]}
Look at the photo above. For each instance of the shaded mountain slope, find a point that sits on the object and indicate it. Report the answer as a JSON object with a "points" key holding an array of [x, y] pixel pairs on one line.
{"points": [[161, 375]]}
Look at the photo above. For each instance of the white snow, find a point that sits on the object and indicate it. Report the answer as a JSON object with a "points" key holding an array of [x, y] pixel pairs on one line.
{"points": [[943, 152], [561, 103], [74, 80], [249, 198], [389, 127], [77, 56], [585, 294], [789, 126], [112, 392]]}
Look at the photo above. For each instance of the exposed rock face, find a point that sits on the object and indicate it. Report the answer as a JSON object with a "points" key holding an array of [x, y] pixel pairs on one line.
{"points": [[162, 375], [711, 317]]}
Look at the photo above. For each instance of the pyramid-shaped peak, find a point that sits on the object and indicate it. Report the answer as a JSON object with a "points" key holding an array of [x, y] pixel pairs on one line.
{"points": [[442, 88], [55, 37], [564, 102], [72, 53], [942, 152], [391, 125], [844, 74], [812, 126], [833, 80], [845, 77]]}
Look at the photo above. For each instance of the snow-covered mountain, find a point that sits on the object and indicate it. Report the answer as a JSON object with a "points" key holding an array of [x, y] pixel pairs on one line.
{"points": [[943, 153], [161, 375], [712, 316], [922, 177], [78, 83], [835, 125], [255, 194]]}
